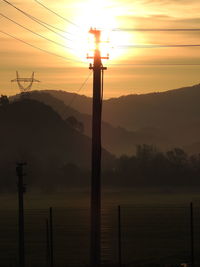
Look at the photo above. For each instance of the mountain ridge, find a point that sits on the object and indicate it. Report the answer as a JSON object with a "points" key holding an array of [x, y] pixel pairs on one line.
{"points": [[165, 119], [175, 114]]}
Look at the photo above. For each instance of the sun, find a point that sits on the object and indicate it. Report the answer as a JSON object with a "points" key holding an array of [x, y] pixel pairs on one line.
{"points": [[95, 14]]}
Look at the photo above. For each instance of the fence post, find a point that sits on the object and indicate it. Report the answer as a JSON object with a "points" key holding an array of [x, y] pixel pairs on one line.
{"points": [[21, 191], [51, 237], [47, 243], [119, 238], [192, 234]]}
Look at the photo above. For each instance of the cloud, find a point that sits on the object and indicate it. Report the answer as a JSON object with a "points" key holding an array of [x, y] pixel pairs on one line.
{"points": [[161, 16]]}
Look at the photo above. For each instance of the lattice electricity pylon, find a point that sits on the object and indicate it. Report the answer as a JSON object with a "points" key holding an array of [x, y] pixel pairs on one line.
{"points": [[21, 87]]}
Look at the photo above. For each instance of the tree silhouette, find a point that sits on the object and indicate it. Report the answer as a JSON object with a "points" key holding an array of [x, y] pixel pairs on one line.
{"points": [[4, 100], [75, 124]]}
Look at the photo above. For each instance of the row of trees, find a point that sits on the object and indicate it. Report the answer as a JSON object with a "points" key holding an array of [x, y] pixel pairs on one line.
{"points": [[149, 168]]}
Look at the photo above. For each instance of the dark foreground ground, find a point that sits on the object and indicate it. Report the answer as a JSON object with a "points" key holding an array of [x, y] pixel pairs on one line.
{"points": [[155, 229]]}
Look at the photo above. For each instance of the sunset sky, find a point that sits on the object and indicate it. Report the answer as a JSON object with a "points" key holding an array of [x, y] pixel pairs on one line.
{"points": [[129, 69]]}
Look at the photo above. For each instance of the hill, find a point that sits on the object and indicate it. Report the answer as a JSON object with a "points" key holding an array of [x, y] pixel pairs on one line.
{"points": [[33, 132], [117, 140], [175, 113], [81, 103], [171, 118]]}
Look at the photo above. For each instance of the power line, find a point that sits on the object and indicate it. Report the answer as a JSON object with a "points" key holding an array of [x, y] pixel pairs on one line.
{"points": [[47, 39], [81, 87], [157, 30], [65, 58], [38, 48], [155, 64], [75, 94], [119, 29], [65, 19], [49, 25], [158, 46], [40, 22], [56, 28]]}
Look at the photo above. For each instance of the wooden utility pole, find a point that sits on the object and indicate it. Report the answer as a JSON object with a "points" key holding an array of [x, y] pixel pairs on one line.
{"points": [[21, 191], [97, 67]]}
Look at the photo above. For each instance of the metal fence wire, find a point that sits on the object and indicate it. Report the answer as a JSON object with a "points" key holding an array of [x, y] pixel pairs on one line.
{"points": [[150, 236]]}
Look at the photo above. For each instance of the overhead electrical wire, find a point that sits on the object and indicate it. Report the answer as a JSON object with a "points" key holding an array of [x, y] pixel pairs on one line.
{"points": [[81, 87], [154, 64], [56, 28], [36, 20], [75, 94], [51, 26], [47, 39], [69, 59], [69, 21], [122, 29], [159, 46], [38, 48], [55, 13], [157, 30], [118, 29]]}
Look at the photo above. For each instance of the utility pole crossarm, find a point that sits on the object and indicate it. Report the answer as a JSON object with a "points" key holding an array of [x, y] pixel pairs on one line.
{"points": [[90, 57]]}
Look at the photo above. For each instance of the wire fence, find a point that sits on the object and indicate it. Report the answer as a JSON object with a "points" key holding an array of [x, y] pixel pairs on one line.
{"points": [[150, 236]]}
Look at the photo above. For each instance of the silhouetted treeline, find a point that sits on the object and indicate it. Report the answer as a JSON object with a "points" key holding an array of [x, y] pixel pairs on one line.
{"points": [[152, 168], [149, 168], [4, 100]]}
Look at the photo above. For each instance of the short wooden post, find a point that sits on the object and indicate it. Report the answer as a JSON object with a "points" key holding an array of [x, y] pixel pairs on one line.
{"points": [[119, 238], [192, 234], [51, 237], [47, 243]]}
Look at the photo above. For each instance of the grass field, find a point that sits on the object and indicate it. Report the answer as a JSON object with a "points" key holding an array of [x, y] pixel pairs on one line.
{"points": [[151, 234]]}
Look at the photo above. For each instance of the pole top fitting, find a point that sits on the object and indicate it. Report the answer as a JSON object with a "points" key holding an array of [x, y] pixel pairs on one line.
{"points": [[96, 33]]}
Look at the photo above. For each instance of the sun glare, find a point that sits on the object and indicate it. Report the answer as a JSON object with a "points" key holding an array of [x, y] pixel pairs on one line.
{"points": [[95, 14]]}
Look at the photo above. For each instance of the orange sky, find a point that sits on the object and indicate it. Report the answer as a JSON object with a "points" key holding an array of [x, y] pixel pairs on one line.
{"points": [[121, 78]]}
